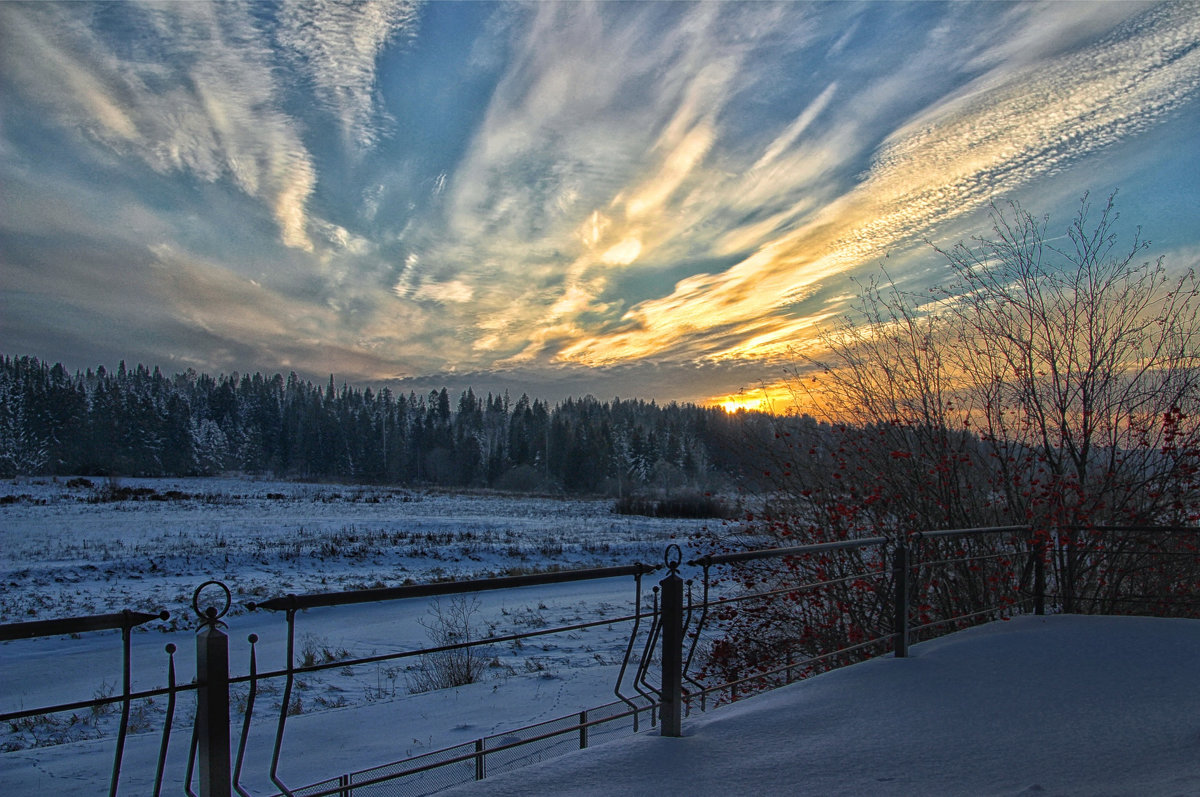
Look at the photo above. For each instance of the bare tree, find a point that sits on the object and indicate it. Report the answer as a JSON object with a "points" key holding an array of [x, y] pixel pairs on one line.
{"points": [[1047, 383], [1054, 382], [896, 453], [1082, 362]]}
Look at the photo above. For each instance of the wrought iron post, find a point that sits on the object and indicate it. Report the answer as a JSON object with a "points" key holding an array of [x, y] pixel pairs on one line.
{"points": [[1039, 576], [167, 721], [900, 567], [672, 644], [212, 696], [1068, 557]]}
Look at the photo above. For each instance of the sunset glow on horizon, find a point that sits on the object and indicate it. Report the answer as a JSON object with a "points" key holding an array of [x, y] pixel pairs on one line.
{"points": [[655, 200]]}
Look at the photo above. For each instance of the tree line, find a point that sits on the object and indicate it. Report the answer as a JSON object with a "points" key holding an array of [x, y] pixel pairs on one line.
{"points": [[141, 422], [1055, 380]]}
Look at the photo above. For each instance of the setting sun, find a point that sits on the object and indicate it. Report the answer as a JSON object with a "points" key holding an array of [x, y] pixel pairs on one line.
{"points": [[775, 399], [737, 405]]}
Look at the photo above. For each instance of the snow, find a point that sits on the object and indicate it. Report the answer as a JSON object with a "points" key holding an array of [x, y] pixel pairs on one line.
{"points": [[1065, 705], [322, 743], [1057, 705], [62, 555], [67, 555]]}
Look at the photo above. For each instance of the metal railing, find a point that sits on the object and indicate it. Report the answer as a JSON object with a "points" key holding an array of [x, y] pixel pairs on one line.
{"points": [[763, 618], [289, 605], [126, 621]]}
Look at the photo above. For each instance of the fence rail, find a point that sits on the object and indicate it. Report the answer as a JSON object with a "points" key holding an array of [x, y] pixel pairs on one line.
{"points": [[825, 604]]}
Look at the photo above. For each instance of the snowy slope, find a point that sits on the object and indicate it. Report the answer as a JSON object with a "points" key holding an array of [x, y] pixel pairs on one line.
{"points": [[1062, 705]]}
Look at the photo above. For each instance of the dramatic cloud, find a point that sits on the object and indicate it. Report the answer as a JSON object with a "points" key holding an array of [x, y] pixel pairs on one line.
{"points": [[999, 133], [658, 199], [337, 44], [212, 110]]}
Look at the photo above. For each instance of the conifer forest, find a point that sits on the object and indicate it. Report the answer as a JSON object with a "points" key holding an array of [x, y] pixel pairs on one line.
{"points": [[141, 422]]}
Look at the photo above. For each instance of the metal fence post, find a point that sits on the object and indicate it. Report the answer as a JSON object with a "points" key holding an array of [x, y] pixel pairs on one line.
{"points": [[1039, 576], [583, 729], [1068, 558], [212, 697], [900, 567], [672, 645]]}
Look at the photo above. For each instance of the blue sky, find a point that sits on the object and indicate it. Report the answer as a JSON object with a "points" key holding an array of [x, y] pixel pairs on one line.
{"points": [[660, 200]]}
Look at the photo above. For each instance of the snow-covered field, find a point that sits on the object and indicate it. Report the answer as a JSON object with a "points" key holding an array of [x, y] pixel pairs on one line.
{"points": [[1059, 705], [64, 552]]}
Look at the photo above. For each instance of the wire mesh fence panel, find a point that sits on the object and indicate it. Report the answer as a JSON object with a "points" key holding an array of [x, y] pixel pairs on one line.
{"points": [[958, 582], [322, 787], [613, 721], [399, 779], [1140, 571], [767, 623], [531, 749]]}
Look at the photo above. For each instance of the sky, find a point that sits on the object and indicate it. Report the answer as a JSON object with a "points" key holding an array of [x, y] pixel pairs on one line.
{"points": [[654, 200]]}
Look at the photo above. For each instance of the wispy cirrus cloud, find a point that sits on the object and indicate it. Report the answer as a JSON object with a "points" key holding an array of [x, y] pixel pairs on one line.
{"points": [[602, 123], [202, 91], [337, 44], [606, 159], [1001, 131], [222, 313], [211, 109]]}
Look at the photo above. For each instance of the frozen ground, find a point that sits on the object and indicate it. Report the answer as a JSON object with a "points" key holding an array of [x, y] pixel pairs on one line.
{"points": [[63, 553], [1064, 705], [1060, 705], [347, 719]]}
